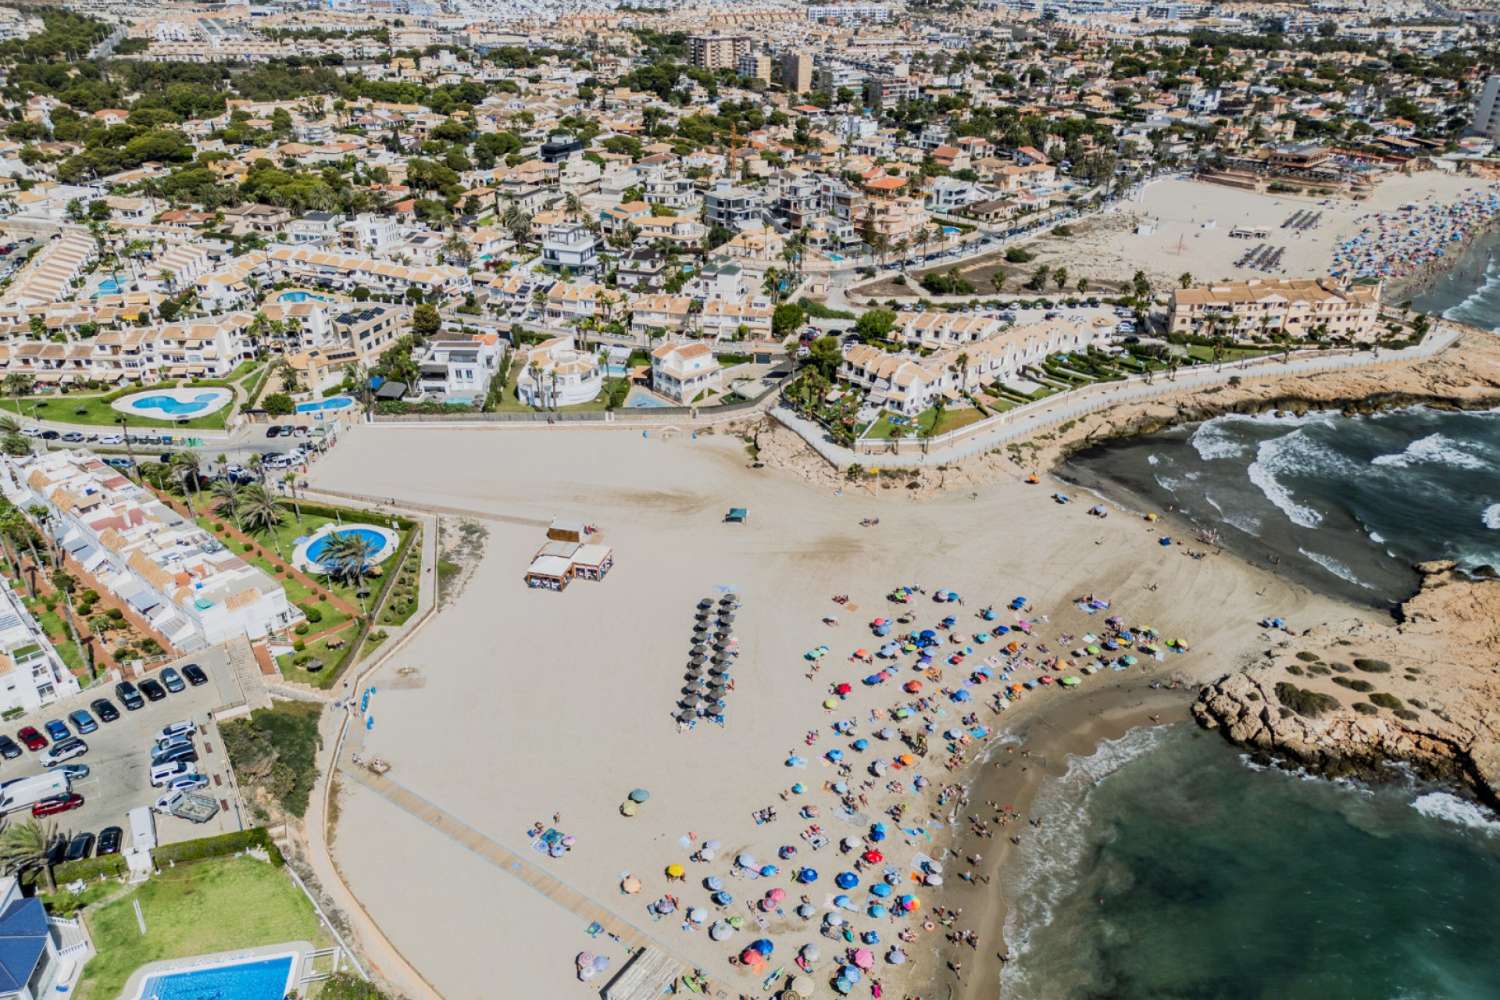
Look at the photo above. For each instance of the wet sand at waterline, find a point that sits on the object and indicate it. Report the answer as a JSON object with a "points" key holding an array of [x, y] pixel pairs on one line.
{"points": [[533, 703]]}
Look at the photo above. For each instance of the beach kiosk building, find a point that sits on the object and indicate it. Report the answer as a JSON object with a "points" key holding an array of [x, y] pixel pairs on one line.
{"points": [[566, 556]]}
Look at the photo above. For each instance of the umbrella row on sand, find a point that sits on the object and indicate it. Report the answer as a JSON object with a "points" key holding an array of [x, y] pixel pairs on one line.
{"points": [[706, 678]]}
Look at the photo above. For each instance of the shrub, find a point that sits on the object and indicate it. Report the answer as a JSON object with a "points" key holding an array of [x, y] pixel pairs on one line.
{"points": [[1354, 684], [1407, 714], [1308, 704], [299, 645], [220, 846], [1342, 668], [1364, 708], [1319, 669], [275, 751], [1386, 700], [1294, 670], [89, 868], [302, 628], [1372, 666], [311, 612], [1307, 656], [1016, 255]]}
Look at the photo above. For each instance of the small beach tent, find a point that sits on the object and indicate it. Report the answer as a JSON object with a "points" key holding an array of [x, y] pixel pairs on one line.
{"points": [[737, 515]]}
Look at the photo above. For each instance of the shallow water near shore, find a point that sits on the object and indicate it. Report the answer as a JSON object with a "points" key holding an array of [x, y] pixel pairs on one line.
{"points": [[1469, 291], [1168, 866], [1345, 504]]}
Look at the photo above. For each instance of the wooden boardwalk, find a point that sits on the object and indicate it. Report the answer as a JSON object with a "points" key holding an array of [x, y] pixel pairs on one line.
{"points": [[514, 865]]}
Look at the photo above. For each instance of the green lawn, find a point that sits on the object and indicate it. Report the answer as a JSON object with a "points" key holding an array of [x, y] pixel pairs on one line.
{"points": [[95, 411], [509, 403], [57, 630], [195, 909], [1198, 352], [929, 423], [318, 650], [286, 536]]}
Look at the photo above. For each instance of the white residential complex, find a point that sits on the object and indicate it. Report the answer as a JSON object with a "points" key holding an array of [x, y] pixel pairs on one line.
{"points": [[177, 577], [31, 672]]}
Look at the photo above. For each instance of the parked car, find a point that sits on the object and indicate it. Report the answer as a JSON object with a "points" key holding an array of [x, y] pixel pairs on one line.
{"points": [[187, 783], [57, 804], [57, 729], [105, 709], [109, 841], [112, 439], [129, 695], [152, 690], [163, 744], [273, 431], [161, 774], [9, 749], [57, 849], [173, 680], [183, 730], [64, 750], [72, 437], [194, 674], [80, 846], [50, 435], [186, 754], [116, 462], [75, 772], [82, 721], [33, 740]]}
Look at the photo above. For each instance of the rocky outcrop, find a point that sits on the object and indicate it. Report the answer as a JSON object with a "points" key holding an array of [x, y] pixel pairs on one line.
{"points": [[1424, 692]]}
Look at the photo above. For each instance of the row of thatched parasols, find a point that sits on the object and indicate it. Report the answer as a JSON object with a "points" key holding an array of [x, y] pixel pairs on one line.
{"points": [[709, 659]]}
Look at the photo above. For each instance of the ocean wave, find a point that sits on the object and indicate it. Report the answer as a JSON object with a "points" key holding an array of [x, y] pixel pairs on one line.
{"points": [[1152, 460], [1491, 517], [1461, 812], [1283, 454], [1248, 523], [1335, 567], [1050, 865], [1212, 441], [1434, 449], [1168, 483], [1480, 307]]}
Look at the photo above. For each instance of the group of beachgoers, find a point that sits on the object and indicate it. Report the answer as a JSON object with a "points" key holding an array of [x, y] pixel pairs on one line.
{"points": [[1398, 243], [868, 825]]}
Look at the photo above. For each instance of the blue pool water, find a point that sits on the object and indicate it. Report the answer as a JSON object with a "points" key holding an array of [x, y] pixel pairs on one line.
{"points": [[109, 286], [300, 297], [175, 407], [331, 403], [263, 980], [643, 401], [376, 539], [950, 230]]}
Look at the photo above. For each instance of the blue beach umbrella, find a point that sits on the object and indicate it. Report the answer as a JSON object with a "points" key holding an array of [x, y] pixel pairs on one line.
{"points": [[846, 880]]}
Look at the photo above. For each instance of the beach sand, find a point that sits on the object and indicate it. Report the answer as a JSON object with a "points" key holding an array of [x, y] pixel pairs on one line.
{"points": [[1190, 222], [532, 703]]}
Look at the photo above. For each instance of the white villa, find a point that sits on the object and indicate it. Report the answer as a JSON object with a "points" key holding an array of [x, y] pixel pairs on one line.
{"points": [[31, 672], [681, 370], [557, 373]]}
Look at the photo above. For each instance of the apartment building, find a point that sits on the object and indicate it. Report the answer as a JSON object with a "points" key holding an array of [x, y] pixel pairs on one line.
{"points": [[176, 577], [571, 248], [795, 71], [1297, 307], [459, 370], [755, 66], [732, 207], [718, 51], [1487, 111], [32, 674]]}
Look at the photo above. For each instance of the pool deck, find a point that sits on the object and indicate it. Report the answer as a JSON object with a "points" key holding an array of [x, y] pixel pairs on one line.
{"points": [[301, 952], [301, 560]]}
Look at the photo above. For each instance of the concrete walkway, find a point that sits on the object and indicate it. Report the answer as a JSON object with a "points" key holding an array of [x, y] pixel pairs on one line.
{"points": [[1032, 418]]}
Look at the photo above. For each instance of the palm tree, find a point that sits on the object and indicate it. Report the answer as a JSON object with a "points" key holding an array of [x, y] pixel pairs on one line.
{"points": [[17, 384], [290, 481], [261, 511], [1185, 280], [184, 464], [347, 556], [23, 848], [226, 493]]}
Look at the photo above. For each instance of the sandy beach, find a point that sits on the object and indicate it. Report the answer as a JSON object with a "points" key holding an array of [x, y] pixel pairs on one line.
{"points": [[533, 707], [1183, 226]]}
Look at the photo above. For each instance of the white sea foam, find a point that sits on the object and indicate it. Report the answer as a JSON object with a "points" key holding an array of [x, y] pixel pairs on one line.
{"points": [[1212, 441], [1434, 449], [1335, 567], [1491, 517], [1248, 523], [1452, 809], [1478, 308], [1167, 483], [1050, 863], [1152, 460], [1282, 454], [1377, 538]]}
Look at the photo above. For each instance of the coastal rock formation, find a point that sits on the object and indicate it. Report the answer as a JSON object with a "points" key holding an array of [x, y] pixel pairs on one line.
{"points": [[1424, 691]]}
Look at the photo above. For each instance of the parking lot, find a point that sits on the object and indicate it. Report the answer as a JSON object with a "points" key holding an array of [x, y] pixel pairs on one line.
{"points": [[118, 757]]}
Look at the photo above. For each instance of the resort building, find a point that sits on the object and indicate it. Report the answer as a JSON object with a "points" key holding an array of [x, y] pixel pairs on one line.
{"points": [[178, 579], [32, 947], [1296, 307], [556, 373], [685, 371], [32, 674]]}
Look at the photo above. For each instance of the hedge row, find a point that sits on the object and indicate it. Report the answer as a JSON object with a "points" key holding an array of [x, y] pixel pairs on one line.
{"points": [[89, 868], [218, 847], [353, 515]]}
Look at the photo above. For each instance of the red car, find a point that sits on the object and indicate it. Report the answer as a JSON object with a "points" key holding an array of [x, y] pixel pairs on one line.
{"points": [[60, 804], [33, 739]]}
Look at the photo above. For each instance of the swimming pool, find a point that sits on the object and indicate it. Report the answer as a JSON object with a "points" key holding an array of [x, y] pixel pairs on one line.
{"points": [[640, 399], [170, 404], [323, 405], [300, 296], [373, 536], [109, 286], [310, 552], [264, 979]]}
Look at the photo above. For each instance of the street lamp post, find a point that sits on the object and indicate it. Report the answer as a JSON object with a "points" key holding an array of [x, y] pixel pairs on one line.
{"points": [[124, 423]]}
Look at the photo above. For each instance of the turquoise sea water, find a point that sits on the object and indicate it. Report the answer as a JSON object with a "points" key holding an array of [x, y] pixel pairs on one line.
{"points": [[1166, 867]]}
